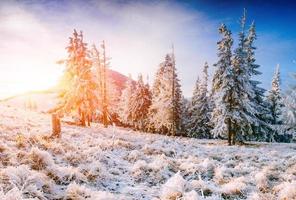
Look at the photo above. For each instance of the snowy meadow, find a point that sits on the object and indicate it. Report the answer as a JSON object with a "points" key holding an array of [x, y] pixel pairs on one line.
{"points": [[116, 163]]}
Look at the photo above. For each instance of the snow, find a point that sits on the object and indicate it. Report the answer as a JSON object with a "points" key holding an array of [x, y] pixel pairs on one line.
{"points": [[117, 163], [287, 190], [173, 188], [39, 101]]}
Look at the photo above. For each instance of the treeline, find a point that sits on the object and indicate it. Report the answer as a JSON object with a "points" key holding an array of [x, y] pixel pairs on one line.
{"points": [[235, 107]]}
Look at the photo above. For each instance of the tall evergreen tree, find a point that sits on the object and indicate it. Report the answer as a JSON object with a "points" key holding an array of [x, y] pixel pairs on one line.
{"points": [[140, 103], [289, 114], [105, 102], [106, 93], [166, 105], [97, 70], [125, 112], [243, 91], [223, 115], [261, 128], [199, 110], [191, 108], [185, 116], [289, 111], [80, 94], [275, 105], [226, 115]]}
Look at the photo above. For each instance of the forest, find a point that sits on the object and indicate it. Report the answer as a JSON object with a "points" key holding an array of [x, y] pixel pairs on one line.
{"points": [[230, 105]]}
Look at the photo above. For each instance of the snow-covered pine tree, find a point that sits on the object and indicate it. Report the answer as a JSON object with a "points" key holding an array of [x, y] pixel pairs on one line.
{"points": [[275, 105], [243, 93], [80, 94], [289, 114], [289, 111], [124, 111], [97, 71], [198, 125], [165, 111], [224, 116], [194, 98], [105, 102], [140, 103], [113, 98], [107, 94], [185, 116], [191, 106], [260, 129]]}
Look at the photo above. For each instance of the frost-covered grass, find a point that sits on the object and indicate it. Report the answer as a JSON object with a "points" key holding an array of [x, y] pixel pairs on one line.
{"points": [[115, 163]]}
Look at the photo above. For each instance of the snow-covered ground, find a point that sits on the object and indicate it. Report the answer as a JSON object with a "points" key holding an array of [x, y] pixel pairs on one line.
{"points": [[115, 163], [38, 101]]}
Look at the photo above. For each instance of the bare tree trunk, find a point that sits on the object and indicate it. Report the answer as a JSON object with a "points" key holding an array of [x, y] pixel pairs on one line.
{"points": [[173, 94], [88, 120], [105, 117], [233, 137], [56, 126], [229, 131], [105, 104], [82, 119]]}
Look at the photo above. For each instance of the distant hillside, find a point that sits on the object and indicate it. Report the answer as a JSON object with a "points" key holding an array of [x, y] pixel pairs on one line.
{"points": [[118, 79]]}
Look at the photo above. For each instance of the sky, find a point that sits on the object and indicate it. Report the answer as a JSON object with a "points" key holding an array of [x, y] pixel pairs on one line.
{"points": [[138, 35]]}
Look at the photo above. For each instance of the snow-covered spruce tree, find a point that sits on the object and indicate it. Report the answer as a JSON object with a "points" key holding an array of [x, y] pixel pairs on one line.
{"points": [[80, 94], [105, 100], [140, 103], [177, 99], [194, 98], [124, 111], [198, 125], [225, 116], [259, 129], [97, 71], [185, 117], [289, 112], [275, 105], [243, 93], [165, 111], [106, 92]]}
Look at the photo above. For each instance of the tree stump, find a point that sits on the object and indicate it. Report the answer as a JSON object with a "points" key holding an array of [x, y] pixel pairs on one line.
{"points": [[56, 125]]}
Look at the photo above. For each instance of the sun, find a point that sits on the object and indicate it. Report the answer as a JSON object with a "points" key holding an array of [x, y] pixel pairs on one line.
{"points": [[30, 78]]}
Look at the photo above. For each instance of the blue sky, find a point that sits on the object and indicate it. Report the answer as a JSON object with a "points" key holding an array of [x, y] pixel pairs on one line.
{"points": [[276, 30], [138, 34]]}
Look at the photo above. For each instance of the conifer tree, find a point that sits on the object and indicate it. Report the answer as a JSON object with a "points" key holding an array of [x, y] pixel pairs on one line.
{"points": [[275, 106], [185, 116], [191, 107], [140, 103], [105, 91], [199, 109], [105, 102], [125, 113], [224, 113], [97, 70], [260, 129], [166, 105], [177, 98], [289, 113], [243, 93], [289, 110], [80, 94]]}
